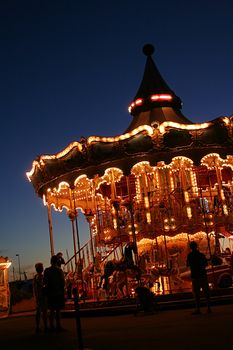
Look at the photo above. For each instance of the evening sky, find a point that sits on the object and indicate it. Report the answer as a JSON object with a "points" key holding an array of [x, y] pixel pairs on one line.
{"points": [[71, 68]]}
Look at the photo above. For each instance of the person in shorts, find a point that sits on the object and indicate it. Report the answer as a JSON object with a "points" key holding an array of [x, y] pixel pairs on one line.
{"points": [[40, 297]]}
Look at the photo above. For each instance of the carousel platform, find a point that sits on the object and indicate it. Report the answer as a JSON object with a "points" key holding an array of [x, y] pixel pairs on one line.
{"points": [[107, 307]]}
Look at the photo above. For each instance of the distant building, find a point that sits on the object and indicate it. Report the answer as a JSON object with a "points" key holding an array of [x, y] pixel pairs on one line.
{"points": [[4, 286]]}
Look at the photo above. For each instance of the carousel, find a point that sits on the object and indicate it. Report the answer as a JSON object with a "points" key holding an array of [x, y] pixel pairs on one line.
{"points": [[147, 192]]}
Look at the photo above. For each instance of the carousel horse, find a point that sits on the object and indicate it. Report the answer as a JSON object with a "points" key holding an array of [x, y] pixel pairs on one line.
{"points": [[172, 271], [74, 281], [122, 281], [126, 263], [118, 282], [119, 271], [109, 268], [81, 279]]}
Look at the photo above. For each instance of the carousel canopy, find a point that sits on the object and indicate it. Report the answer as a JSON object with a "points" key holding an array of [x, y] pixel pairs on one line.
{"points": [[158, 133]]}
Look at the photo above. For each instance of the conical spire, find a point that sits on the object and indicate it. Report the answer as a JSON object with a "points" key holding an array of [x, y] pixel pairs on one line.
{"points": [[154, 101]]}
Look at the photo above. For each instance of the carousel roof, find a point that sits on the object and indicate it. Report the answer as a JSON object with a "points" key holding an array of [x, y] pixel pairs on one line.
{"points": [[158, 132], [154, 101]]}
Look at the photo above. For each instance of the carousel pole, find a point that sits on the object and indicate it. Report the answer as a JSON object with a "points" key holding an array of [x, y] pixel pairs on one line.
{"points": [[77, 236], [162, 209], [204, 217], [71, 215], [89, 216], [80, 264], [116, 206], [206, 228], [96, 210], [98, 225], [115, 202], [132, 222], [76, 226], [50, 229], [224, 208], [217, 243], [208, 240]]}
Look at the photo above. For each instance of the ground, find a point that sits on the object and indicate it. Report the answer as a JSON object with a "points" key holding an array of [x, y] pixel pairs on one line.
{"points": [[172, 329]]}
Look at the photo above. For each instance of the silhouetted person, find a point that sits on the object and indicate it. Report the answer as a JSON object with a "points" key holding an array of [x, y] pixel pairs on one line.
{"points": [[197, 262], [55, 283], [146, 298], [128, 254], [60, 259], [108, 271], [40, 297], [216, 260]]}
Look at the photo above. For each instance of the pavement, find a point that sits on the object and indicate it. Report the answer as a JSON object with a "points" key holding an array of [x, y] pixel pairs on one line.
{"points": [[112, 325], [164, 330], [94, 308], [163, 302]]}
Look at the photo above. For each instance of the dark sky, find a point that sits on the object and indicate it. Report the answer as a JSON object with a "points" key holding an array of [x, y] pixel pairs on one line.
{"points": [[71, 68]]}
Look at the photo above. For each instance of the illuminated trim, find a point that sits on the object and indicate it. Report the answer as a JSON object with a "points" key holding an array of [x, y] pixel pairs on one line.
{"points": [[5, 265], [210, 159], [40, 162], [146, 128], [213, 160], [85, 188], [156, 97], [226, 120], [82, 177], [141, 128], [62, 185], [162, 97], [164, 125], [138, 102], [59, 209]]}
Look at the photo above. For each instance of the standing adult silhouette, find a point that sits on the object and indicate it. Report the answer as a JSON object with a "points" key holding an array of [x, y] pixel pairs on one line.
{"points": [[197, 262], [54, 283]]}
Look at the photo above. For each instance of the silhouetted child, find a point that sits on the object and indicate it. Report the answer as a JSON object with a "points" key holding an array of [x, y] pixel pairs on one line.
{"points": [[40, 297]]}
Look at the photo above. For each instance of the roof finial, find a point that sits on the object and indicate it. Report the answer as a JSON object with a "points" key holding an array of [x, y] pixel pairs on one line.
{"points": [[148, 49]]}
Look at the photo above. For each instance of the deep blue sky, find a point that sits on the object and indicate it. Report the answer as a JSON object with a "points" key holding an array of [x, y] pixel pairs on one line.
{"points": [[71, 68]]}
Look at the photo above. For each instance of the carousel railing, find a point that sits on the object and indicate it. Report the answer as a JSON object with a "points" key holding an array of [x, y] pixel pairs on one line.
{"points": [[85, 272], [80, 258], [114, 252]]}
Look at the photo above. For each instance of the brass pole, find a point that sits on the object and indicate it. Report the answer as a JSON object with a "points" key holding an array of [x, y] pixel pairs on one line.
{"points": [[74, 241], [132, 222], [91, 238], [50, 229]]}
